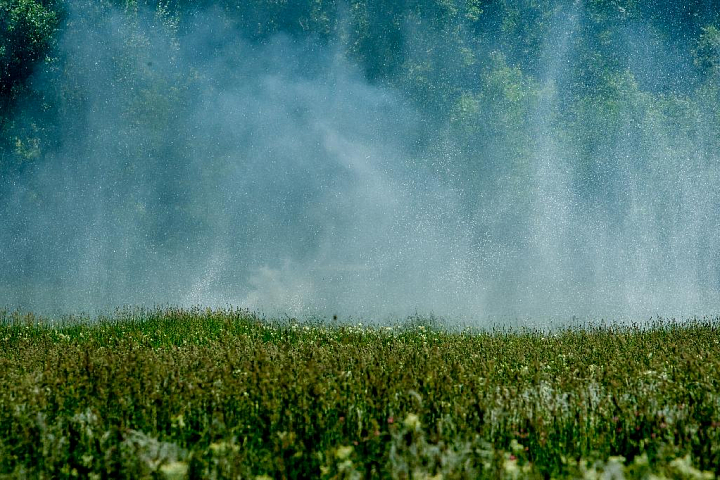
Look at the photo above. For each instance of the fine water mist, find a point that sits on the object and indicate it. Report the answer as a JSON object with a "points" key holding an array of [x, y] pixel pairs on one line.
{"points": [[206, 169]]}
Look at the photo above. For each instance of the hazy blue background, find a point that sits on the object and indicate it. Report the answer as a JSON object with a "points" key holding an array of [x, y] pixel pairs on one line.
{"points": [[475, 160]]}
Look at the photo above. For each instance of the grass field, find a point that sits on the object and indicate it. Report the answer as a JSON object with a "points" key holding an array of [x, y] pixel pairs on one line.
{"points": [[224, 394]]}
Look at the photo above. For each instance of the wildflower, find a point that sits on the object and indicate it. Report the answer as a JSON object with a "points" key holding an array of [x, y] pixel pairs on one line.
{"points": [[685, 468], [412, 422], [391, 420], [174, 470], [515, 446], [178, 421], [343, 452], [220, 448], [641, 460], [511, 467]]}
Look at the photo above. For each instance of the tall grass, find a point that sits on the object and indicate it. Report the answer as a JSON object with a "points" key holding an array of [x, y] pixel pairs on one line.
{"points": [[224, 394]]}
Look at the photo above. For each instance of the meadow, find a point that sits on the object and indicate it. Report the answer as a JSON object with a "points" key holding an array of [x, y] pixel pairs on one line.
{"points": [[176, 393]]}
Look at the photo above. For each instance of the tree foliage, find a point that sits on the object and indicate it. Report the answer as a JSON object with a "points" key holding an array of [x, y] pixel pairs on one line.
{"points": [[27, 34], [475, 66]]}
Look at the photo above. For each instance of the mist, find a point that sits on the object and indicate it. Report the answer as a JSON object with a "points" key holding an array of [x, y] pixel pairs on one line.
{"points": [[207, 169]]}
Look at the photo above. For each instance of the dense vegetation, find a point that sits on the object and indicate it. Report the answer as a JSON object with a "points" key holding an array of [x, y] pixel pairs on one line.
{"points": [[222, 394]]}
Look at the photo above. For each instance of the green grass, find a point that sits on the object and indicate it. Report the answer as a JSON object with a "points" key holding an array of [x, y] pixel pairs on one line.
{"points": [[224, 394]]}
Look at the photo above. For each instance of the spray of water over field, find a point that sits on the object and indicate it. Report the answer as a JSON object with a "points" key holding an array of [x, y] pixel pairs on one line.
{"points": [[210, 170]]}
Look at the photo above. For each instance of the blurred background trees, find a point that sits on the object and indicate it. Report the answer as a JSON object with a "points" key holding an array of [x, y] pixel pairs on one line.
{"points": [[28, 31], [478, 69]]}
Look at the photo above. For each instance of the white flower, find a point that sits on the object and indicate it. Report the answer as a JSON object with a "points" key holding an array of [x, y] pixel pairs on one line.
{"points": [[412, 422], [174, 470], [343, 452], [221, 448], [685, 468]]}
